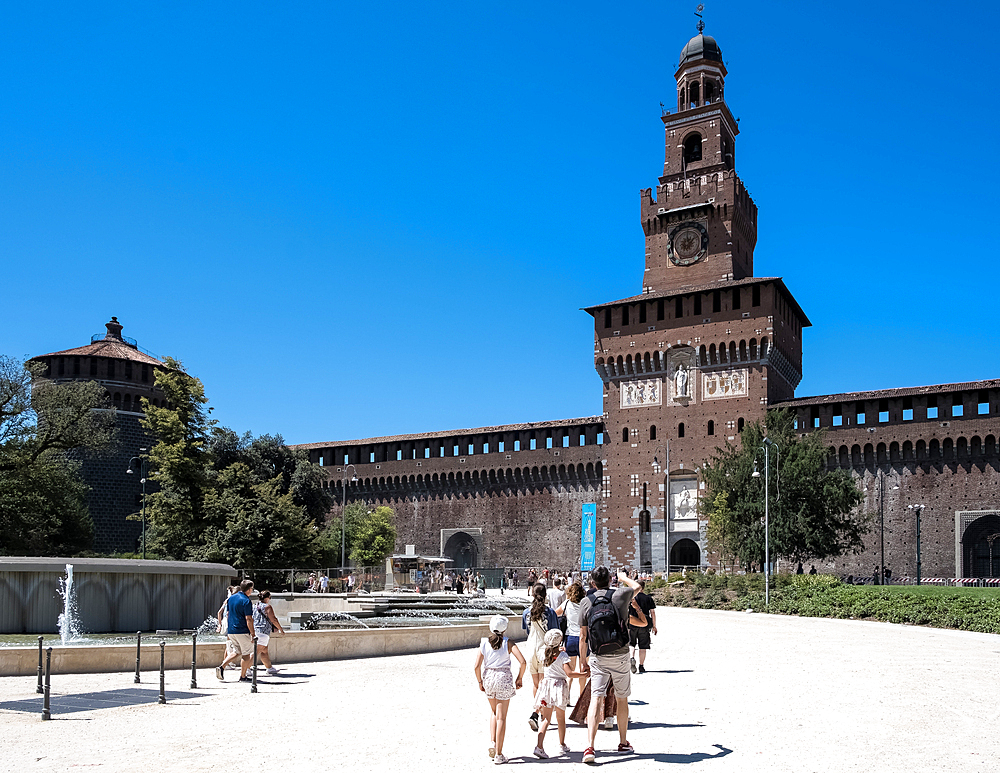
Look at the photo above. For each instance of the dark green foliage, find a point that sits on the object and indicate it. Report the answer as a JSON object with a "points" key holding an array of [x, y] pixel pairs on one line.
{"points": [[812, 509], [375, 538]]}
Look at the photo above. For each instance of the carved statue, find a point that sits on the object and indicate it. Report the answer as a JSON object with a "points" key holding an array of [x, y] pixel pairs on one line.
{"points": [[681, 381]]}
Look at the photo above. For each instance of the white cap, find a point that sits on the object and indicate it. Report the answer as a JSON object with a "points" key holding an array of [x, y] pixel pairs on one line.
{"points": [[552, 637], [498, 623]]}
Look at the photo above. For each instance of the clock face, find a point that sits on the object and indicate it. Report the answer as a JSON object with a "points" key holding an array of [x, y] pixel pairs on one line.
{"points": [[688, 244]]}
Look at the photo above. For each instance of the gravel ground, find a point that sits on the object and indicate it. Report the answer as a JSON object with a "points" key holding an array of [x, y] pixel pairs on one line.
{"points": [[725, 691]]}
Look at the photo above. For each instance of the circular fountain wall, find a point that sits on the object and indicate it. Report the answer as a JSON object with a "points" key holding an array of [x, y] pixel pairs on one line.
{"points": [[112, 595]]}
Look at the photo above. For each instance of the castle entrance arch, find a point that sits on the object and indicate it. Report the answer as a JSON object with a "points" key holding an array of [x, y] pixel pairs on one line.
{"points": [[685, 552], [461, 548], [981, 547]]}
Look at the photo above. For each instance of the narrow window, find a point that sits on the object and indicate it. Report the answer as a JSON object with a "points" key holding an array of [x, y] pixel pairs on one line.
{"points": [[625, 435], [565, 441], [472, 450], [814, 415], [345, 458], [716, 301], [680, 430], [441, 450], [983, 403], [883, 411], [427, 452], [711, 427], [399, 455], [517, 445], [642, 313], [679, 308], [755, 296], [454, 450], [583, 439], [692, 145], [907, 409], [652, 432], [740, 424], [932, 408], [548, 442], [860, 413], [661, 311], [624, 315], [500, 446], [736, 298], [956, 407], [697, 305], [838, 416], [371, 457], [532, 444], [607, 317]]}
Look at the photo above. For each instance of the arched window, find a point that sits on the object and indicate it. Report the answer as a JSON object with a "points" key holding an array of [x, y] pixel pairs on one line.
{"points": [[694, 93], [692, 148], [625, 435], [711, 427], [739, 424], [652, 432], [680, 430]]}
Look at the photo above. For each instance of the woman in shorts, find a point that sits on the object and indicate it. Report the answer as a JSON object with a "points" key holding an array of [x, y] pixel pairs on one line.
{"points": [[570, 609], [264, 622]]}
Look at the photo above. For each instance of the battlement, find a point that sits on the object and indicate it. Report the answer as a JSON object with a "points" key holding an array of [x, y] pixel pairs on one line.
{"points": [[713, 188]]}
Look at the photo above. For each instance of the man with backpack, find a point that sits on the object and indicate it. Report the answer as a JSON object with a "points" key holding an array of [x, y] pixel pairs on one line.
{"points": [[604, 638]]}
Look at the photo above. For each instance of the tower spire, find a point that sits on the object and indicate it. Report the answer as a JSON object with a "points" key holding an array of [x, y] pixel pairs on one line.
{"points": [[701, 21]]}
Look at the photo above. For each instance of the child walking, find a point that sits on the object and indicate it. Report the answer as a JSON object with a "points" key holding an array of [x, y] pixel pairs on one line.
{"points": [[553, 692], [495, 679]]}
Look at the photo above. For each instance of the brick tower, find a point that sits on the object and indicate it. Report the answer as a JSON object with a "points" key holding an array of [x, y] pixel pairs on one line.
{"points": [[128, 374], [705, 347]]}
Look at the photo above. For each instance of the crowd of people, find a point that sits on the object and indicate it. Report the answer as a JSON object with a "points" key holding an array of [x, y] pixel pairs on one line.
{"points": [[598, 637]]}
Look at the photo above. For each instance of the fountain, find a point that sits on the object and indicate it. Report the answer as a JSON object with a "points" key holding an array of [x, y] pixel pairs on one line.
{"points": [[68, 621]]}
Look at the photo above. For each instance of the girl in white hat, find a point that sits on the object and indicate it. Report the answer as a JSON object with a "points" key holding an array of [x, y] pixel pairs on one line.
{"points": [[495, 679], [553, 691]]}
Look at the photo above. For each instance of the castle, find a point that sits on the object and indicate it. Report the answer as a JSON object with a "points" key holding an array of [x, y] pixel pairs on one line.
{"points": [[703, 349]]}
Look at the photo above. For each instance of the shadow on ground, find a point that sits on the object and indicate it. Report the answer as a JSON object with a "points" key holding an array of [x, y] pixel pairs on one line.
{"points": [[91, 701]]}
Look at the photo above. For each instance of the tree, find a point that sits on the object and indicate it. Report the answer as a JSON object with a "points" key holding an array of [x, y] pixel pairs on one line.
{"points": [[178, 461], [43, 426], [812, 509], [353, 516], [375, 538]]}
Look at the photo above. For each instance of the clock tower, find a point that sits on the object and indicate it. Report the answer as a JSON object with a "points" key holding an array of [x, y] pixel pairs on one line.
{"points": [[700, 224], [703, 349]]}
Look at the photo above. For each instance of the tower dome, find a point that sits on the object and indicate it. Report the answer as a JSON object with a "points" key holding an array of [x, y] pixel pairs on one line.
{"points": [[701, 47]]}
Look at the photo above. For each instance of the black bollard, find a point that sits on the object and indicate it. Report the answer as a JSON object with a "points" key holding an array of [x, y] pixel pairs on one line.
{"points": [[46, 714], [40, 689], [138, 644], [253, 681], [194, 661], [163, 682]]}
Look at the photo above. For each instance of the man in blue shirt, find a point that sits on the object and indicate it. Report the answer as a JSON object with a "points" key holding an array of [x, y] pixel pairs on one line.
{"points": [[240, 614]]}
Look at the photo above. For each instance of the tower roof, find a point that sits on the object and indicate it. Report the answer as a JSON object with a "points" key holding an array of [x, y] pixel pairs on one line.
{"points": [[701, 47], [112, 344]]}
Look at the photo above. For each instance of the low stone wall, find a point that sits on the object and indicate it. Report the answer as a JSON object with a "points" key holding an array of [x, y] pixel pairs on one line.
{"points": [[293, 647]]}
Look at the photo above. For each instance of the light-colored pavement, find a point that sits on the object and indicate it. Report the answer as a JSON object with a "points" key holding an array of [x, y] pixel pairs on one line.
{"points": [[725, 692]]}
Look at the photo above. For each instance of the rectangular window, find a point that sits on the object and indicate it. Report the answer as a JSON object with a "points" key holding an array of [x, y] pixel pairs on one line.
{"points": [[697, 305], [413, 454], [883, 411], [860, 418], [600, 438], [983, 402], [565, 441], [427, 452], [624, 315], [454, 451], [679, 308], [717, 301], [371, 457], [634, 485], [441, 449], [661, 311], [736, 298], [517, 445], [907, 409], [957, 409], [486, 448], [548, 442], [472, 450], [814, 416], [932, 408], [642, 313], [500, 446], [607, 317], [838, 421], [755, 297], [399, 455], [983, 408], [532, 444], [345, 459], [583, 439]]}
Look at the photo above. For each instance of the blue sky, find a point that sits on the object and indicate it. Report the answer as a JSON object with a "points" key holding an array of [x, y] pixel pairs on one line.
{"points": [[361, 219]]}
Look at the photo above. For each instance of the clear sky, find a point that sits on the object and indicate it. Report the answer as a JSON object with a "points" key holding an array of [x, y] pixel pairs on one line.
{"points": [[360, 219]]}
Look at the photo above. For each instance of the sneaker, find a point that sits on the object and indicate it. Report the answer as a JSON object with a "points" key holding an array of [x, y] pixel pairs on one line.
{"points": [[625, 747], [564, 748], [218, 674], [493, 752], [533, 722], [499, 760], [540, 753], [609, 723], [272, 671], [632, 664], [642, 669], [588, 755]]}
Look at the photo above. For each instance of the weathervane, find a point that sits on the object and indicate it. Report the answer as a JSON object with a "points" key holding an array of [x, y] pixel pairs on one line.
{"points": [[701, 22]]}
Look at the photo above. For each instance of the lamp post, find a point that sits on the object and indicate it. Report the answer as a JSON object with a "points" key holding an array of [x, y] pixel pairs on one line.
{"points": [[917, 509], [766, 447], [343, 510], [143, 470]]}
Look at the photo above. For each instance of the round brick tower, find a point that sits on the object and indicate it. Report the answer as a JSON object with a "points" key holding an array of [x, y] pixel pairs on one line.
{"points": [[128, 374]]}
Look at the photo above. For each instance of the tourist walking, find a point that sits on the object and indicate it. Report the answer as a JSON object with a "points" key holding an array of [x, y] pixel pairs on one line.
{"points": [[570, 612], [552, 695], [643, 607], [556, 595], [223, 617], [604, 650], [536, 620], [324, 583], [239, 630], [495, 679], [264, 623]]}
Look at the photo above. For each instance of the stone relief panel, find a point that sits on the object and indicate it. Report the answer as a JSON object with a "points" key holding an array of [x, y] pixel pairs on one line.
{"points": [[641, 393], [684, 505], [722, 384]]}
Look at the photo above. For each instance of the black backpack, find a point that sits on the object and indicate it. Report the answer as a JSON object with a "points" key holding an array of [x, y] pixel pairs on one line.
{"points": [[605, 631]]}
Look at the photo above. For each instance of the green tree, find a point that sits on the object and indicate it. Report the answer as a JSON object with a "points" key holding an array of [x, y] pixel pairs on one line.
{"points": [[375, 537], [179, 461], [44, 429], [813, 511], [354, 515]]}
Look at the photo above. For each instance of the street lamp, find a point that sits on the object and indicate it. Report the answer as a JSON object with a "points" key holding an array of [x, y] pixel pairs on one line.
{"points": [[343, 510], [917, 509], [143, 470], [767, 446]]}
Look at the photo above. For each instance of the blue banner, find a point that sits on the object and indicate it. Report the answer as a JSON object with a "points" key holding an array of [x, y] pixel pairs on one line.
{"points": [[588, 538]]}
